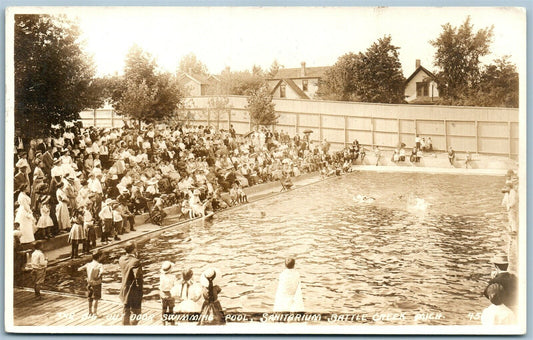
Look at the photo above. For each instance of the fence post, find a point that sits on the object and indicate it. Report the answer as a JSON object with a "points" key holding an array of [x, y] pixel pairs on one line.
{"points": [[399, 132], [208, 117], [112, 118], [297, 126], [445, 135], [477, 137], [346, 141], [229, 120], [320, 126], [510, 137], [372, 131], [94, 117]]}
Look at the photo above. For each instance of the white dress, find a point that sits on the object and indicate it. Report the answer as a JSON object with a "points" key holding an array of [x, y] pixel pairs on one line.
{"points": [[25, 219], [289, 294], [189, 294], [45, 220]]}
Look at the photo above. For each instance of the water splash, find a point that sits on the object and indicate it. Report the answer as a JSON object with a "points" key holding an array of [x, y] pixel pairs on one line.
{"points": [[363, 199]]}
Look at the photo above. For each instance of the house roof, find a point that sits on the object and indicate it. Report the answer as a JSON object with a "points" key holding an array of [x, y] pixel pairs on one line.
{"points": [[199, 78], [418, 69], [293, 86], [294, 73]]}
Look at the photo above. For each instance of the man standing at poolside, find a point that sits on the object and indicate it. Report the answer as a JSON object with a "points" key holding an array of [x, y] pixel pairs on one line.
{"points": [[131, 290]]}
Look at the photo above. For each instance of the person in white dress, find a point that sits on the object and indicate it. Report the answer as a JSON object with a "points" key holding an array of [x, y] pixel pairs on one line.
{"points": [[188, 293], [24, 217], [289, 294]]}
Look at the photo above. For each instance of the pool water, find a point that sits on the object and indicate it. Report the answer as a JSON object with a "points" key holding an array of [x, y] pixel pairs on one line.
{"points": [[422, 246]]}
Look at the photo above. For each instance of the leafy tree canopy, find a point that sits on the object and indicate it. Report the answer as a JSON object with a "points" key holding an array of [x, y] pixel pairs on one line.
{"points": [[240, 83], [260, 107], [191, 64], [53, 76], [144, 93], [457, 58], [374, 76]]}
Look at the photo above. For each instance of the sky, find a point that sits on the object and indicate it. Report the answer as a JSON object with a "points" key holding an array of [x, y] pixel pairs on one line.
{"points": [[239, 37]]}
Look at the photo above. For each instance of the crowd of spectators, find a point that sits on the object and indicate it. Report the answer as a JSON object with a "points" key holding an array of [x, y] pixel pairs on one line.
{"points": [[90, 182]]}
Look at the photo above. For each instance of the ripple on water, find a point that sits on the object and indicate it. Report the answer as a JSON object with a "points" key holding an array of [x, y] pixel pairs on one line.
{"points": [[378, 257]]}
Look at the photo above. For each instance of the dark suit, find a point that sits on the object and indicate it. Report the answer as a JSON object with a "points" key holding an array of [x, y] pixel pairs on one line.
{"points": [[48, 161], [131, 290]]}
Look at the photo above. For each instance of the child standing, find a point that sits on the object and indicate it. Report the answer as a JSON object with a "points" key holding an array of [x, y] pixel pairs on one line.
{"points": [[88, 223], [39, 262], [243, 198], [106, 215], [45, 222], [94, 282], [76, 235], [166, 282]]}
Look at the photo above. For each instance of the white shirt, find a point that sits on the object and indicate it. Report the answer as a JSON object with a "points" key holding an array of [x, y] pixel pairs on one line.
{"points": [[166, 282], [94, 269], [497, 315], [38, 260]]}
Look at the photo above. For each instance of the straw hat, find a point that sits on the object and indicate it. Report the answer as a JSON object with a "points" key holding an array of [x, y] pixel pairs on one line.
{"points": [[208, 275], [109, 201], [166, 266], [500, 259]]}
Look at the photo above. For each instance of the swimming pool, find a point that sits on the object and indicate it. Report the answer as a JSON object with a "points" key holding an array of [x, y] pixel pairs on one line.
{"points": [[388, 256]]}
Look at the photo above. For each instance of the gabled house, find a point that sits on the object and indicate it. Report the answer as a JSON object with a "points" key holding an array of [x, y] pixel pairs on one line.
{"points": [[198, 84], [296, 83], [421, 87]]}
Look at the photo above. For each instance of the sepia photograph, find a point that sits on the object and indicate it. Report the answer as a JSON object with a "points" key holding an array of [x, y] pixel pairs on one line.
{"points": [[265, 170]]}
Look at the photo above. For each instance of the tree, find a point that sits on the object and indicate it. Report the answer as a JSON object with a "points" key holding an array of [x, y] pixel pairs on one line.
{"points": [[374, 76], [274, 68], [219, 107], [499, 84], [457, 58], [53, 77], [379, 75], [240, 83], [339, 81], [144, 93], [190, 64], [261, 108]]}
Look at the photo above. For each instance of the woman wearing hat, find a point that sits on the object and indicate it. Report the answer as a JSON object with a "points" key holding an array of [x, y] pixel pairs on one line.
{"points": [[510, 202], [62, 212], [508, 280], [211, 313], [167, 281], [24, 217], [189, 293]]}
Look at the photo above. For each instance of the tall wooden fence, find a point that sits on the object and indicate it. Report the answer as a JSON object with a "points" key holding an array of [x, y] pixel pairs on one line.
{"points": [[101, 118], [483, 130]]}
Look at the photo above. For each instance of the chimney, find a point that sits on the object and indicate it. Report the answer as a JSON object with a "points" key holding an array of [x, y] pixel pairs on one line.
{"points": [[227, 69], [417, 63], [302, 69]]}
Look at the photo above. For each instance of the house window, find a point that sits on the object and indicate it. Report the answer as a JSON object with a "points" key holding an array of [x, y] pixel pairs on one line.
{"points": [[422, 89], [304, 84], [282, 91]]}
